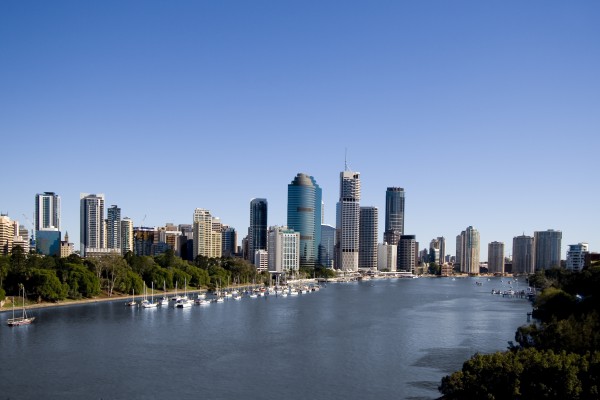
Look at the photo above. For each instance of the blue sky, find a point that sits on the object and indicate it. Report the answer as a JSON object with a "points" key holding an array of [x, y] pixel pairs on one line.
{"points": [[487, 113]]}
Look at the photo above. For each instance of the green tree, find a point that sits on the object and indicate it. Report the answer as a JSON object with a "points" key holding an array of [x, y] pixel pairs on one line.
{"points": [[46, 286], [82, 282]]}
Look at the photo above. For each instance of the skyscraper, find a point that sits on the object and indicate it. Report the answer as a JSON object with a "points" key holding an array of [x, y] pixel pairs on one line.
{"points": [[387, 257], [47, 211], [283, 249], [367, 256], [576, 256], [91, 222], [348, 219], [394, 215], [229, 241], [469, 255], [304, 216], [407, 253], [496, 258], [523, 254], [257, 232], [126, 235], [207, 234], [547, 248], [327, 246], [113, 227]]}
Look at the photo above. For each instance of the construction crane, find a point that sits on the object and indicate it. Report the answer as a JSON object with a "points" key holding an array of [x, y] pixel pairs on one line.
{"points": [[30, 223]]}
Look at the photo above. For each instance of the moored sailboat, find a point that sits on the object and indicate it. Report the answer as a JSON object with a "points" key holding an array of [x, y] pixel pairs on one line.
{"points": [[22, 320]]}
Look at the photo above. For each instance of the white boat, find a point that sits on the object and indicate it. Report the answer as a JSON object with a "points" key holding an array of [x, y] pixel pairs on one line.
{"points": [[164, 301], [203, 302], [132, 303], [149, 303], [183, 302], [22, 320]]}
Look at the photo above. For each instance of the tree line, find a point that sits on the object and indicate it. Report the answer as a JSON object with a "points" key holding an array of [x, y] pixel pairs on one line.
{"points": [[557, 357], [54, 279]]}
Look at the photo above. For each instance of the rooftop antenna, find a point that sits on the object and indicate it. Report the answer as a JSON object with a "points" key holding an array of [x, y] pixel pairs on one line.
{"points": [[346, 159]]}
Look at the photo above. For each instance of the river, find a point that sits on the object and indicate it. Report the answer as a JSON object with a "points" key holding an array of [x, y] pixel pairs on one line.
{"points": [[384, 339]]}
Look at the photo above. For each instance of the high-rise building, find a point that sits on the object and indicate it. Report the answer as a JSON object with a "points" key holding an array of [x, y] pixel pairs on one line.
{"points": [[435, 252], [442, 249], [368, 231], [469, 255], [126, 235], [7, 234], [228, 241], [47, 242], [207, 234], [257, 232], [327, 246], [143, 240], [576, 256], [47, 211], [348, 220], [283, 249], [407, 253], [91, 222], [113, 227], [457, 257], [523, 254], [261, 260], [394, 215], [387, 257], [304, 216], [496, 258], [547, 248]]}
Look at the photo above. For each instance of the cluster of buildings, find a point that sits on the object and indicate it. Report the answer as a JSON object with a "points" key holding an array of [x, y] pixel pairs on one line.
{"points": [[304, 241]]}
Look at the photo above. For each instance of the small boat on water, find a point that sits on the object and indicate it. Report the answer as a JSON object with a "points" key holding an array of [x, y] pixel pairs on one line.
{"points": [[149, 303], [132, 303], [22, 320]]}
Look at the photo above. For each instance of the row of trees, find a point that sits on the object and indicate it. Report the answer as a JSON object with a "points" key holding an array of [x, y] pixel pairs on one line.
{"points": [[558, 357], [54, 278]]}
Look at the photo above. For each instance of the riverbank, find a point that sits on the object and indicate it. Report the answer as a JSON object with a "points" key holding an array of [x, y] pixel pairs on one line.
{"points": [[103, 298]]}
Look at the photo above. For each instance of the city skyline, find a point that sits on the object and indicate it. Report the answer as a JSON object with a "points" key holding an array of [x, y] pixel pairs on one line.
{"points": [[487, 118]]}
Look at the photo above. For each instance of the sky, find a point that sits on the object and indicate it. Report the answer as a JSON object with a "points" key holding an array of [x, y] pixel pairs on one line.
{"points": [[486, 113]]}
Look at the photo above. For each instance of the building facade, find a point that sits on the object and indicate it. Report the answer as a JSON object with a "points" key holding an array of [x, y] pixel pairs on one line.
{"points": [[348, 220], [387, 257], [304, 214], [257, 232], [47, 211], [407, 253], [576, 256], [469, 254], [327, 246], [126, 235], [368, 231], [207, 235], [7, 234], [283, 249], [394, 215], [496, 258], [523, 255], [228, 241], [113, 227], [91, 222], [547, 249]]}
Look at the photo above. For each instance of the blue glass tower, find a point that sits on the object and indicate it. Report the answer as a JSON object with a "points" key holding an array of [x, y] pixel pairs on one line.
{"points": [[304, 216]]}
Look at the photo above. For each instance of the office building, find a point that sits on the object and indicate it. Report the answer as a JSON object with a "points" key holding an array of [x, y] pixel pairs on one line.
{"points": [[91, 222], [304, 216], [257, 232], [143, 240], [228, 241], [576, 256], [496, 258], [47, 211], [387, 257], [7, 234], [261, 260], [348, 220], [47, 242], [394, 215], [327, 246], [547, 249], [407, 253], [368, 230], [283, 249]]}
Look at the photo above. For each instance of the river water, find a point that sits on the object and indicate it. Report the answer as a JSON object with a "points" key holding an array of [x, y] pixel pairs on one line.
{"points": [[384, 339]]}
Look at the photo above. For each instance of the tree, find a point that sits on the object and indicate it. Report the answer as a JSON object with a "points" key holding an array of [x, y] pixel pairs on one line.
{"points": [[46, 286]]}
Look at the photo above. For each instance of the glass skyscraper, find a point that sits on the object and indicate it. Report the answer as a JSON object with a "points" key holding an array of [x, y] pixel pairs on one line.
{"points": [[394, 215], [327, 246], [47, 211], [113, 227], [304, 216], [257, 233]]}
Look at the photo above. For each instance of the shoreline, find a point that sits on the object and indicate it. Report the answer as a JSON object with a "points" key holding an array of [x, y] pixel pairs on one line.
{"points": [[99, 299]]}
